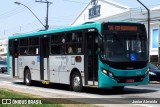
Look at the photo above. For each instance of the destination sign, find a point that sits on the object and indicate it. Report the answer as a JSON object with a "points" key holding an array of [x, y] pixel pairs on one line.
{"points": [[122, 28]]}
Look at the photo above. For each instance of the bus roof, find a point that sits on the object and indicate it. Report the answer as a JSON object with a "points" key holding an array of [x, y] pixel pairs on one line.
{"points": [[71, 28], [118, 21]]}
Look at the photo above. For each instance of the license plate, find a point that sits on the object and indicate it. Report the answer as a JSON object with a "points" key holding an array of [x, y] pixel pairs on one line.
{"points": [[130, 80]]}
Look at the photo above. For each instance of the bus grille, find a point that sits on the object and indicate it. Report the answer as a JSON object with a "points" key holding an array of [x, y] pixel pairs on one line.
{"points": [[125, 79]]}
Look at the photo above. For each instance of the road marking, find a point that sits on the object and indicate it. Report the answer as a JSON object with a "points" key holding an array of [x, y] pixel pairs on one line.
{"points": [[6, 82], [6, 75], [154, 82]]}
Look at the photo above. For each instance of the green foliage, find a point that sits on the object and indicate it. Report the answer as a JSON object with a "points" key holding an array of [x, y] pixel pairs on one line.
{"points": [[12, 94]]}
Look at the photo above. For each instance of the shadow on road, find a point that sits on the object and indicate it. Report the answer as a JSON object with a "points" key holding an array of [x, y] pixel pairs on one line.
{"points": [[117, 92], [97, 91]]}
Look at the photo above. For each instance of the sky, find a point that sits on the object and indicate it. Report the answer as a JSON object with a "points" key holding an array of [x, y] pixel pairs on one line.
{"points": [[18, 19]]}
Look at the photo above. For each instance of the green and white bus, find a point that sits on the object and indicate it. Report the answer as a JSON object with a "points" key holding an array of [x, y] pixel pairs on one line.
{"points": [[109, 54]]}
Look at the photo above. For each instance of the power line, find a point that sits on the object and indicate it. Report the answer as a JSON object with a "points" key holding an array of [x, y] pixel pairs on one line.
{"points": [[15, 11], [72, 1], [28, 3], [151, 6]]}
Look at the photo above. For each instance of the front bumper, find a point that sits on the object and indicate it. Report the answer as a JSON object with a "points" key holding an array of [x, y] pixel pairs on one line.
{"points": [[106, 81], [122, 77]]}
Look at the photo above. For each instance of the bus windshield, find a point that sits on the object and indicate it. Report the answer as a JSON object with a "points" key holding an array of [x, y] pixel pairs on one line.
{"points": [[124, 47]]}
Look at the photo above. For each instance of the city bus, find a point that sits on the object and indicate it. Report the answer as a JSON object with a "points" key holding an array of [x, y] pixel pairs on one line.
{"points": [[108, 54]]}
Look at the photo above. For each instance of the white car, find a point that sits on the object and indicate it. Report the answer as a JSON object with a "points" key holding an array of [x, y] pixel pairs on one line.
{"points": [[3, 66]]}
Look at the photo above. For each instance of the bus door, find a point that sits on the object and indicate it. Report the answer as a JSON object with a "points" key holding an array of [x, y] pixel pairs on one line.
{"points": [[91, 56], [44, 58], [158, 46], [15, 58]]}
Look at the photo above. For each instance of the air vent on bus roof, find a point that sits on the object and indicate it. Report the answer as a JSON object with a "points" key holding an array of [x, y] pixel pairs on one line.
{"points": [[42, 30], [87, 23]]}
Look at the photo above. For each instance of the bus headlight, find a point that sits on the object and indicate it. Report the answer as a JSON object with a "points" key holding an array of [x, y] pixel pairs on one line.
{"points": [[110, 74], [104, 71]]}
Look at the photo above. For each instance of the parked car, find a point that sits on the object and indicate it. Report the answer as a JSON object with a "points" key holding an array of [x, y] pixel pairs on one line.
{"points": [[154, 73], [3, 66], [159, 66]]}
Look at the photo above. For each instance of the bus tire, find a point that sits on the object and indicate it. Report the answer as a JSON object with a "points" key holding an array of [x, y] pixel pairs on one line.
{"points": [[27, 78], [118, 88], [76, 82]]}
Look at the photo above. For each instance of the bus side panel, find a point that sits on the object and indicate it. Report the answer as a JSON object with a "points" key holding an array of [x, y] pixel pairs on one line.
{"points": [[16, 67], [20, 67], [71, 63], [10, 66], [54, 64], [46, 73], [63, 71], [68, 64], [61, 67], [34, 66]]}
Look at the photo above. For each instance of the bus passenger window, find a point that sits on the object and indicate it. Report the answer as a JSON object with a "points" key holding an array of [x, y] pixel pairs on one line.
{"points": [[78, 50], [33, 51], [62, 49], [24, 51], [37, 51], [15, 54], [57, 49], [74, 37], [70, 50], [75, 48], [10, 51]]}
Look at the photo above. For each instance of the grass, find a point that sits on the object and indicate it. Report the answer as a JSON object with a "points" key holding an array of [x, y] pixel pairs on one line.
{"points": [[43, 105], [5, 93]]}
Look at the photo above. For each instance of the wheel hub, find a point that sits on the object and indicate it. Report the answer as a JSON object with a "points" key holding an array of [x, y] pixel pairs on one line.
{"points": [[27, 78], [76, 81]]}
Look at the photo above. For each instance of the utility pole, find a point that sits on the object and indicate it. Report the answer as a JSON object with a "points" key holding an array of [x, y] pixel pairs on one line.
{"points": [[148, 27], [47, 11]]}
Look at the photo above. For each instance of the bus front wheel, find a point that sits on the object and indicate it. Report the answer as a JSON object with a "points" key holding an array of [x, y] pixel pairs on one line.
{"points": [[76, 82], [27, 77]]}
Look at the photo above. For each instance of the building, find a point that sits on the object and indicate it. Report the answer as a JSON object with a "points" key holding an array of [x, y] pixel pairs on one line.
{"points": [[3, 49], [107, 10]]}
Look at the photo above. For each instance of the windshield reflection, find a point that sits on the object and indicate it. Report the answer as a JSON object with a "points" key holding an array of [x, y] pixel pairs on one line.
{"points": [[124, 47]]}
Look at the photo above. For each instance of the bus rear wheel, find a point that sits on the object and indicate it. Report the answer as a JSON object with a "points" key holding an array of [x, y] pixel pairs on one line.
{"points": [[76, 82], [118, 88], [27, 78]]}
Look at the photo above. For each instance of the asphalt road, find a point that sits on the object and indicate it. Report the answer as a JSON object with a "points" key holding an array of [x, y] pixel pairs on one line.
{"points": [[151, 90]]}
